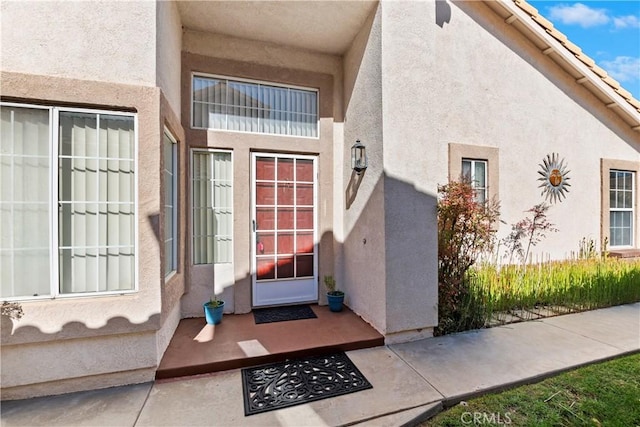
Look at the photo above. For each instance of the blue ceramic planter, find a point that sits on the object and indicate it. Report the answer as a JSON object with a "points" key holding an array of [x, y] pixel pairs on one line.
{"points": [[335, 302], [213, 314]]}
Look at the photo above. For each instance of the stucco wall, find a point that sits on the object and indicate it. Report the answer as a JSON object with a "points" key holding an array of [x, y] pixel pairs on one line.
{"points": [[475, 80], [168, 51], [410, 170], [104, 40], [92, 322], [363, 272], [543, 110]]}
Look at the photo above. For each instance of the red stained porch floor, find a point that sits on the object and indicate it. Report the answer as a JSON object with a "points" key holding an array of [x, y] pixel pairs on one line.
{"points": [[198, 348]]}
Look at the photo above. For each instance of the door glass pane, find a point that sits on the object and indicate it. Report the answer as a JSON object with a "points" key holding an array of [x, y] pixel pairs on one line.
{"points": [[285, 242], [265, 193], [266, 243], [304, 219], [285, 267], [285, 218], [304, 265], [304, 170], [304, 194], [266, 268], [285, 193], [265, 218], [304, 242], [285, 169], [265, 168]]}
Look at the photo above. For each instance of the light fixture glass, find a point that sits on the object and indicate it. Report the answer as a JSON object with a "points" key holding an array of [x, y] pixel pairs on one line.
{"points": [[358, 157]]}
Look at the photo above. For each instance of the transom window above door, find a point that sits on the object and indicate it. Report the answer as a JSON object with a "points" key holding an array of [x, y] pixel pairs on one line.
{"points": [[256, 107]]}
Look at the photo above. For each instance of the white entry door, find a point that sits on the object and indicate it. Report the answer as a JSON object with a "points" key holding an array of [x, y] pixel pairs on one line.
{"points": [[284, 261]]}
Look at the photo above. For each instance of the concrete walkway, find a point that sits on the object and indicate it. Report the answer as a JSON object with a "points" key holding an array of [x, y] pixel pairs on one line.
{"points": [[410, 381]]}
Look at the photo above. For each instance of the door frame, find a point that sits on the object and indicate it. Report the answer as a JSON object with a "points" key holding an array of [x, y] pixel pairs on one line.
{"points": [[308, 297]]}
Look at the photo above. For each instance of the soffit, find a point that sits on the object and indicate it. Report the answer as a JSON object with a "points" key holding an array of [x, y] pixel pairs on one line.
{"points": [[541, 32], [321, 26]]}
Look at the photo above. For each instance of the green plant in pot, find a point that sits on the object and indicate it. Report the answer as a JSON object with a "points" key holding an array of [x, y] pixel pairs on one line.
{"points": [[334, 297], [213, 310]]}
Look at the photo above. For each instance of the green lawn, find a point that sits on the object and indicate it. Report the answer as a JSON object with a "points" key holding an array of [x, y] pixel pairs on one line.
{"points": [[605, 394]]}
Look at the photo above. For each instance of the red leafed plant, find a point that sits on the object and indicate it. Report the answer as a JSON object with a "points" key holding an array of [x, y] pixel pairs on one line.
{"points": [[532, 229], [466, 230]]}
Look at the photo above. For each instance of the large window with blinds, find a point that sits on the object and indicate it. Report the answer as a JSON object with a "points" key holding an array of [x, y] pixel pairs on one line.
{"points": [[67, 201], [212, 206], [257, 107]]}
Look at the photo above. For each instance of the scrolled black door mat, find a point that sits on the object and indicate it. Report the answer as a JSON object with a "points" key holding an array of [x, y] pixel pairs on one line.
{"points": [[281, 314], [294, 382]]}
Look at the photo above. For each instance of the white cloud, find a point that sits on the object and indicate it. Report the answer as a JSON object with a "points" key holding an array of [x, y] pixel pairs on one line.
{"points": [[623, 68], [629, 21], [579, 14]]}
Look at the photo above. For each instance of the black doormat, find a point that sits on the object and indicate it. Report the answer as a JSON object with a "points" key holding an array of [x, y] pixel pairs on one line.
{"points": [[283, 384], [281, 314]]}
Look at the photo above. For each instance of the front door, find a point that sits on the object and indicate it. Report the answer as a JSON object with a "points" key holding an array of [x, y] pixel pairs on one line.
{"points": [[284, 261]]}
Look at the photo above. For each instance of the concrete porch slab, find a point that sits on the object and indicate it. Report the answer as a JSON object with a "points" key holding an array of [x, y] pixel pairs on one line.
{"points": [[197, 348], [216, 399]]}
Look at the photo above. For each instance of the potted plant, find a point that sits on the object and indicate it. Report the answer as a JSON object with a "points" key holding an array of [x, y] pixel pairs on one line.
{"points": [[334, 297], [213, 310]]}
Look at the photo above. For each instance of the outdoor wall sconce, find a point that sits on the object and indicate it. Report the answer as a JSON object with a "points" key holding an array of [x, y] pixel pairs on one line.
{"points": [[358, 157]]}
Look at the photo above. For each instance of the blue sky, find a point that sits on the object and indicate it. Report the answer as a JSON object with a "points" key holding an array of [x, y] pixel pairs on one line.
{"points": [[607, 31]]}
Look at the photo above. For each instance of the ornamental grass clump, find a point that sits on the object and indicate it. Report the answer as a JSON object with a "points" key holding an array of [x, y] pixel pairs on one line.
{"points": [[570, 285]]}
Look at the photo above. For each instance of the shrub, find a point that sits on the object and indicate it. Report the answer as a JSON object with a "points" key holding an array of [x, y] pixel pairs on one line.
{"points": [[466, 229], [13, 310], [532, 229]]}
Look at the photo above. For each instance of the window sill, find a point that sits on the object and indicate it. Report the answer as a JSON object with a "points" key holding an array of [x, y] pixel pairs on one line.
{"points": [[624, 253]]}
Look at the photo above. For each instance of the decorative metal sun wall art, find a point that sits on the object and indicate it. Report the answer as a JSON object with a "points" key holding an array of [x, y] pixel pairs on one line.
{"points": [[554, 177]]}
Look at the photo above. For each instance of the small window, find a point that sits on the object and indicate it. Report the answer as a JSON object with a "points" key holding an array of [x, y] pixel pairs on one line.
{"points": [[212, 207], [476, 172], [621, 201], [233, 105], [170, 203]]}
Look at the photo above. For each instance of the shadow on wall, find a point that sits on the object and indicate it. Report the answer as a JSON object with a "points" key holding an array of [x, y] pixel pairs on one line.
{"points": [[13, 333], [352, 187], [443, 13]]}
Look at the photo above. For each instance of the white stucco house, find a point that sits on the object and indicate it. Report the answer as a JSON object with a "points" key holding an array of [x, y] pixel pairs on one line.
{"points": [[153, 150]]}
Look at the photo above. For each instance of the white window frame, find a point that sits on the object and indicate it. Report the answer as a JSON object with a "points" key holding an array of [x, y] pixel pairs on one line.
{"points": [[191, 230], [631, 209], [173, 171], [474, 181], [259, 82], [54, 246]]}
